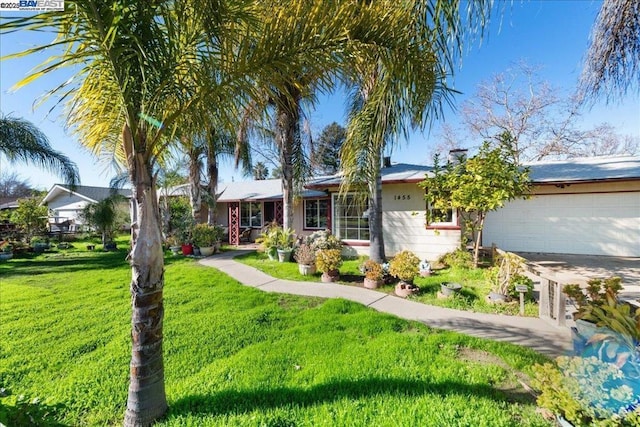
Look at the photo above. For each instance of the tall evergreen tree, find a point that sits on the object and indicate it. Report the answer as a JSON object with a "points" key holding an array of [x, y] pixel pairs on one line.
{"points": [[325, 158]]}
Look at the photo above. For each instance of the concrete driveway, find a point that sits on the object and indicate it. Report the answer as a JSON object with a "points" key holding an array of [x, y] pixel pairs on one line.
{"points": [[580, 268]]}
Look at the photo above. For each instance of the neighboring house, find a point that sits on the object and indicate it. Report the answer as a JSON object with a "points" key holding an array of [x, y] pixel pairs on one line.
{"points": [[66, 205], [585, 206]]}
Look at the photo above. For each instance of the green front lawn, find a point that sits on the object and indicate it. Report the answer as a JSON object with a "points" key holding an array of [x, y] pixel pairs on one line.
{"points": [[236, 356], [472, 297]]}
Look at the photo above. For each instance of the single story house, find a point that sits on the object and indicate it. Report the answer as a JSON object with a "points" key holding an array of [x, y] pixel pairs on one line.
{"points": [[577, 206], [588, 206], [66, 204], [253, 204]]}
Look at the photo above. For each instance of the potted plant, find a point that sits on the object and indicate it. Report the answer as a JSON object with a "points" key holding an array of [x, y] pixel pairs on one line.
{"points": [[328, 261], [184, 234], [174, 245], [268, 240], [6, 251], [305, 256], [39, 244], [284, 244], [449, 289], [373, 274], [509, 265], [404, 266], [205, 236]]}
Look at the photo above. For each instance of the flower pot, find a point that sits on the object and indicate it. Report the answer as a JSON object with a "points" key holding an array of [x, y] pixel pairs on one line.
{"points": [[371, 283], [330, 276], [450, 289], [497, 297], [187, 249], [174, 249], [306, 270], [40, 247], [110, 246], [4, 256], [196, 251], [404, 289], [425, 273], [284, 255], [207, 250]]}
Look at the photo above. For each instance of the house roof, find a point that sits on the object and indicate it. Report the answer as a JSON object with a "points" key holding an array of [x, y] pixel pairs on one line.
{"points": [[601, 168], [91, 194], [266, 189], [394, 174]]}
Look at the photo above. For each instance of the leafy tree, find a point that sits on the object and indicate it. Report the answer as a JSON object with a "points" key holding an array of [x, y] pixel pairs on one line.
{"points": [[326, 156], [475, 186], [30, 217], [21, 141], [103, 215], [260, 171], [612, 64], [276, 173]]}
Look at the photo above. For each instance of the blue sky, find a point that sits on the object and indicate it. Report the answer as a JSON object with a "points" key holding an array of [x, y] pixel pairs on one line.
{"points": [[552, 34]]}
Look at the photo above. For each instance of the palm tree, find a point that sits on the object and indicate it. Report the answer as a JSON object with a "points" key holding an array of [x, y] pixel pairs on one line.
{"points": [[612, 64], [260, 171], [20, 140], [398, 85], [130, 92]]}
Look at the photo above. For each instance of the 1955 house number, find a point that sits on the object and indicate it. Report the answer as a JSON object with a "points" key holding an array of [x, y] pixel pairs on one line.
{"points": [[402, 197]]}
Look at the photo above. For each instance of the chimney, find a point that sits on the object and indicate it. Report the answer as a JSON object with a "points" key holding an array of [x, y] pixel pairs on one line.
{"points": [[386, 161], [457, 155]]}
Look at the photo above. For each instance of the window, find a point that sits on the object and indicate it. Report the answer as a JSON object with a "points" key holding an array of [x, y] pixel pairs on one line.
{"points": [[316, 213], [442, 217], [250, 214], [350, 218]]}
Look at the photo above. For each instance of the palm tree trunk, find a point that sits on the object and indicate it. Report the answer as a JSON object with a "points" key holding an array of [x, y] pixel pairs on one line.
{"points": [[195, 195], [287, 122], [376, 235], [212, 185], [147, 400]]}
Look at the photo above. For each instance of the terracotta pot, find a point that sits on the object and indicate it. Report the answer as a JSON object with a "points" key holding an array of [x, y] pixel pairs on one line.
{"points": [[371, 283], [306, 270], [404, 289], [330, 276]]}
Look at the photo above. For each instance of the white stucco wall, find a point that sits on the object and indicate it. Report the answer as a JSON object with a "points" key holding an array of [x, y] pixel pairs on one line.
{"points": [[403, 220]]}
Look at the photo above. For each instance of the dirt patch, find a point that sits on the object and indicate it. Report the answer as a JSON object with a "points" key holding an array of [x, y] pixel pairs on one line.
{"points": [[515, 386]]}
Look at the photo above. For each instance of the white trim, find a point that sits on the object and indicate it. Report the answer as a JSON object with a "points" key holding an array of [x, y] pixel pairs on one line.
{"points": [[335, 220]]}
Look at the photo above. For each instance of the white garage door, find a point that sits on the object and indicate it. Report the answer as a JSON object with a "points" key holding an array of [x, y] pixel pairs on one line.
{"points": [[593, 224]]}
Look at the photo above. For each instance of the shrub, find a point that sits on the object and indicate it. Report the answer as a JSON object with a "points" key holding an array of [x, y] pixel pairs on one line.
{"points": [[404, 266], [595, 294], [371, 270], [328, 260], [586, 391], [305, 255], [205, 235], [460, 258], [323, 240]]}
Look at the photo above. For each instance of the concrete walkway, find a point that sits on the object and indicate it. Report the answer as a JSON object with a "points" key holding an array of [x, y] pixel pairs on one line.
{"points": [[527, 331]]}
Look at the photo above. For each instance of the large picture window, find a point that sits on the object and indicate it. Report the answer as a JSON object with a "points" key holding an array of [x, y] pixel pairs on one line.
{"points": [[316, 213], [350, 218], [250, 214]]}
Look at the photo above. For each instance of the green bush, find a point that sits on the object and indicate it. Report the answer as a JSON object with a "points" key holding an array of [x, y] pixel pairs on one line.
{"points": [[460, 258]]}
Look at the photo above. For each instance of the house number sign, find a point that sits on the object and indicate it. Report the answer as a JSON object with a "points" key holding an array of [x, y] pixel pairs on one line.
{"points": [[402, 197]]}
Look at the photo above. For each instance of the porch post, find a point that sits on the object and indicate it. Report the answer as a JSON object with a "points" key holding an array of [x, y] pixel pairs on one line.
{"points": [[234, 223]]}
